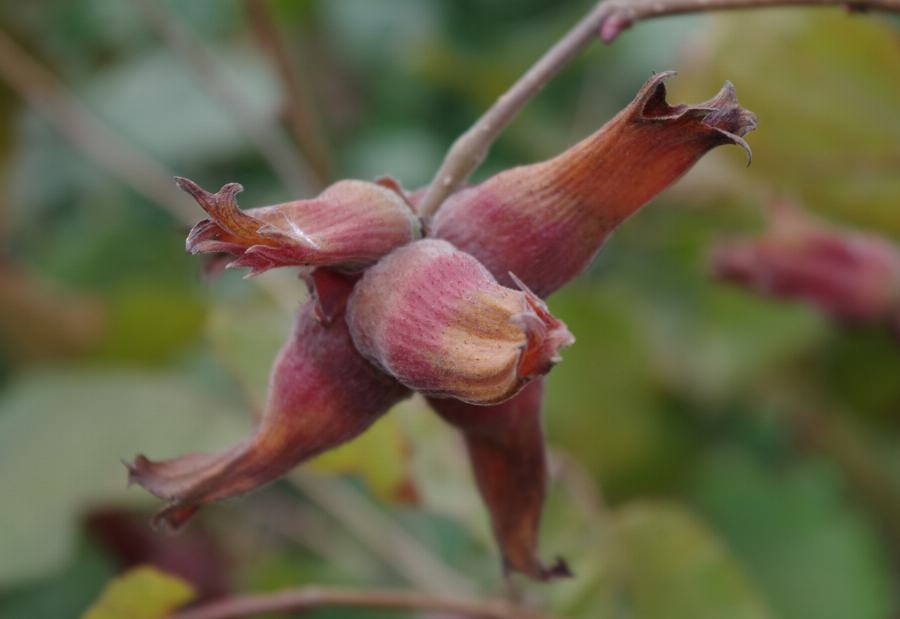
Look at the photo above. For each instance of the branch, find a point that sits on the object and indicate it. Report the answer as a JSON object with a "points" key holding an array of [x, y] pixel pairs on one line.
{"points": [[310, 598], [286, 163], [623, 13], [607, 19], [301, 112], [26, 76]]}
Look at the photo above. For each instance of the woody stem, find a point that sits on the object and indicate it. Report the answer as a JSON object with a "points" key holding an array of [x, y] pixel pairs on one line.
{"points": [[607, 20], [309, 598]]}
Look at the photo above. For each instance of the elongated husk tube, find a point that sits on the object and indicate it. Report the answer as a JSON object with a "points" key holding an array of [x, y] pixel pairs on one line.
{"points": [[322, 393], [546, 221], [506, 450]]}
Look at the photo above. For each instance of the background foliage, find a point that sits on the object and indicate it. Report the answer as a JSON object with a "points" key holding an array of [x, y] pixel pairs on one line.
{"points": [[717, 455]]}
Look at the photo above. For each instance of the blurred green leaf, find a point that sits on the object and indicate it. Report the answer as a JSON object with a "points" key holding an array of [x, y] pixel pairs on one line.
{"points": [[62, 436], [177, 121], [811, 554], [657, 561], [705, 341], [602, 403], [409, 155], [141, 593], [66, 593], [379, 457], [375, 32], [719, 342], [150, 325], [861, 370], [245, 334], [829, 130]]}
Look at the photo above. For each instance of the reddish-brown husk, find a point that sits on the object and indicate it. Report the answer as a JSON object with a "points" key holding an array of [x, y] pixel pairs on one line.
{"points": [[852, 276], [322, 393], [348, 226], [506, 449], [546, 221], [437, 320]]}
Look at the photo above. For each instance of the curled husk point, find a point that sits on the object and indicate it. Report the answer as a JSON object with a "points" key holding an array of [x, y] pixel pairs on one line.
{"points": [[437, 320], [546, 221], [505, 444], [852, 276], [348, 226], [321, 394]]}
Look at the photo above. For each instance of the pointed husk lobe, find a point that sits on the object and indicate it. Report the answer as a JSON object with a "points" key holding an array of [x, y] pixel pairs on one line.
{"points": [[321, 394], [546, 221], [505, 444], [348, 226]]}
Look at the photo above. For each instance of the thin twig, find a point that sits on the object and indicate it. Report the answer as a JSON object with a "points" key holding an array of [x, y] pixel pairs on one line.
{"points": [[47, 94], [470, 149], [399, 549], [290, 168], [299, 106], [607, 20], [626, 13], [370, 599]]}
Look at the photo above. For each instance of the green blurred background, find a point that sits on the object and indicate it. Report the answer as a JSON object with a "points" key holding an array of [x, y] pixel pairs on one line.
{"points": [[715, 455]]}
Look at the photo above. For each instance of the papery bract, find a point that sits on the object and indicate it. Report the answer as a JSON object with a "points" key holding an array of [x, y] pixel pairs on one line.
{"points": [[506, 448], [348, 226], [321, 394], [546, 221], [852, 276], [437, 320]]}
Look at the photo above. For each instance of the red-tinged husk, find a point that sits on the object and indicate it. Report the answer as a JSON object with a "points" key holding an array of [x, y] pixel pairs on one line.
{"points": [[852, 276], [329, 291], [322, 393], [437, 320], [506, 449], [348, 226], [546, 221]]}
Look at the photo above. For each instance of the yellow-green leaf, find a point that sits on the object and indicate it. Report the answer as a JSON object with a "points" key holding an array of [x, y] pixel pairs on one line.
{"points": [[141, 593], [378, 456], [659, 560]]}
